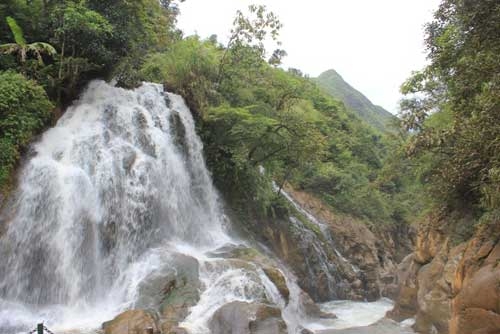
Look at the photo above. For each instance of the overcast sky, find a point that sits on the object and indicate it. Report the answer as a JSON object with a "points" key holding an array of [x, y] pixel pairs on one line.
{"points": [[374, 45]]}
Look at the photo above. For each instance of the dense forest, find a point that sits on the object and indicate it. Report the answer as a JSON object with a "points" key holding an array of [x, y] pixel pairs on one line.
{"points": [[426, 182], [254, 116], [251, 112]]}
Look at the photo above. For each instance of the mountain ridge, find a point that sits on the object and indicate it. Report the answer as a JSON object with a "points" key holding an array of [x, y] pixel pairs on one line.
{"points": [[333, 84]]}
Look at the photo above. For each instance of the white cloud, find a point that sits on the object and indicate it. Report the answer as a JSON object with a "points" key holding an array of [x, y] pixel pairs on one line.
{"points": [[374, 45]]}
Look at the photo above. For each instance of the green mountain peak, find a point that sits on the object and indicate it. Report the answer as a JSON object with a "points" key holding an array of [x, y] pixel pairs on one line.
{"points": [[333, 84]]}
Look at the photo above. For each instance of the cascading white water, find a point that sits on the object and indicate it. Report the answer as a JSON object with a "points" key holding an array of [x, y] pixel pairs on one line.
{"points": [[106, 202], [120, 175]]}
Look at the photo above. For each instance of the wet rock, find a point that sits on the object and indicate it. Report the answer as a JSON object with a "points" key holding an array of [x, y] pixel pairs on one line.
{"points": [[305, 331], [373, 250], [132, 322], [384, 326], [171, 289], [279, 281], [242, 252], [406, 302], [177, 128], [318, 269], [247, 318], [179, 272], [175, 307], [311, 309], [241, 255]]}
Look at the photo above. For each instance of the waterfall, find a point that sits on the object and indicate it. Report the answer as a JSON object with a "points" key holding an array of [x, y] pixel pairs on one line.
{"points": [[122, 173], [104, 185], [112, 200]]}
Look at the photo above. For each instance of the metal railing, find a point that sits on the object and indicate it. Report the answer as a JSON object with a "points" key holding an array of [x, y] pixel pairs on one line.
{"points": [[41, 329]]}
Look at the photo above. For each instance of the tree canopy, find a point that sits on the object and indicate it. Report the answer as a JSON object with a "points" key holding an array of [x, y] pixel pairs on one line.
{"points": [[453, 105]]}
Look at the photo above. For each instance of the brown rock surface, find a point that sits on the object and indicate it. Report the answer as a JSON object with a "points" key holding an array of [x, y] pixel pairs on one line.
{"points": [[430, 239], [476, 307], [375, 250], [458, 288], [278, 280], [406, 302], [131, 322], [247, 318], [435, 290], [311, 309]]}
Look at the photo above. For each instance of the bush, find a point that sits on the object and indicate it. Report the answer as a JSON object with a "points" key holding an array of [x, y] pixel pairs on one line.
{"points": [[24, 110], [189, 68]]}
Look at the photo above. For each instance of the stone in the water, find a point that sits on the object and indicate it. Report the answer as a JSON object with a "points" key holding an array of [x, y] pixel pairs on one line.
{"points": [[384, 326], [133, 321], [311, 309], [279, 281], [247, 318]]}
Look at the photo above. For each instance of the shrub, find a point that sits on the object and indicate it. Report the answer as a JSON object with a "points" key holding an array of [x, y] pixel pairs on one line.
{"points": [[24, 110]]}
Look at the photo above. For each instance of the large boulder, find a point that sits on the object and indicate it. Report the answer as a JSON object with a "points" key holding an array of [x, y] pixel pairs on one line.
{"points": [[311, 309], [276, 276], [452, 289], [247, 318], [178, 271], [406, 301], [170, 290], [476, 307], [241, 256], [435, 293], [132, 322], [179, 294]]}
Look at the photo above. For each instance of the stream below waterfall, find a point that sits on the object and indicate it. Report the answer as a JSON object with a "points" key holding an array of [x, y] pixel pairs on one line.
{"points": [[115, 199]]}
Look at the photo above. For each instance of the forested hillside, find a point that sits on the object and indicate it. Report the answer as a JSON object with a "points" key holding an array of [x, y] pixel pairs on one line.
{"points": [[452, 109], [336, 86], [264, 129], [49, 50], [252, 113]]}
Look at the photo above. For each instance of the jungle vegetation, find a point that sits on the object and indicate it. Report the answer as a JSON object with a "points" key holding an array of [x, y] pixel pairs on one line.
{"points": [[261, 123]]}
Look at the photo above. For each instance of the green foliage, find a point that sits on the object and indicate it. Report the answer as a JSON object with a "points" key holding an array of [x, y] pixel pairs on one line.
{"points": [[376, 116], [17, 32], [454, 106], [247, 38], [93, 39], [187, 68], [23, 49], [24, 110], [261, 116], [252, 115]]}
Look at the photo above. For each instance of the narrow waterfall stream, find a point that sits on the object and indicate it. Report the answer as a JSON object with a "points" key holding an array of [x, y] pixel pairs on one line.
{"points": [[112, 200]]}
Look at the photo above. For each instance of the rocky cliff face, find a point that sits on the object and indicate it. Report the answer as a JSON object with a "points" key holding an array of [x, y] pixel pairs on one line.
{"points": [[374, 251], [342, 258], [451, 288]]}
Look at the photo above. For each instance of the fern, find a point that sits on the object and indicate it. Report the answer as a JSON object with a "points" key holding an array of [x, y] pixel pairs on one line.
{"points": [[17, 32]]}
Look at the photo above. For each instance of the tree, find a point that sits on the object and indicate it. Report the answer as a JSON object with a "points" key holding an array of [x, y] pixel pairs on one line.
{"points": [[250, 32], [82, 36], [23, 49], [461, 87]]}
